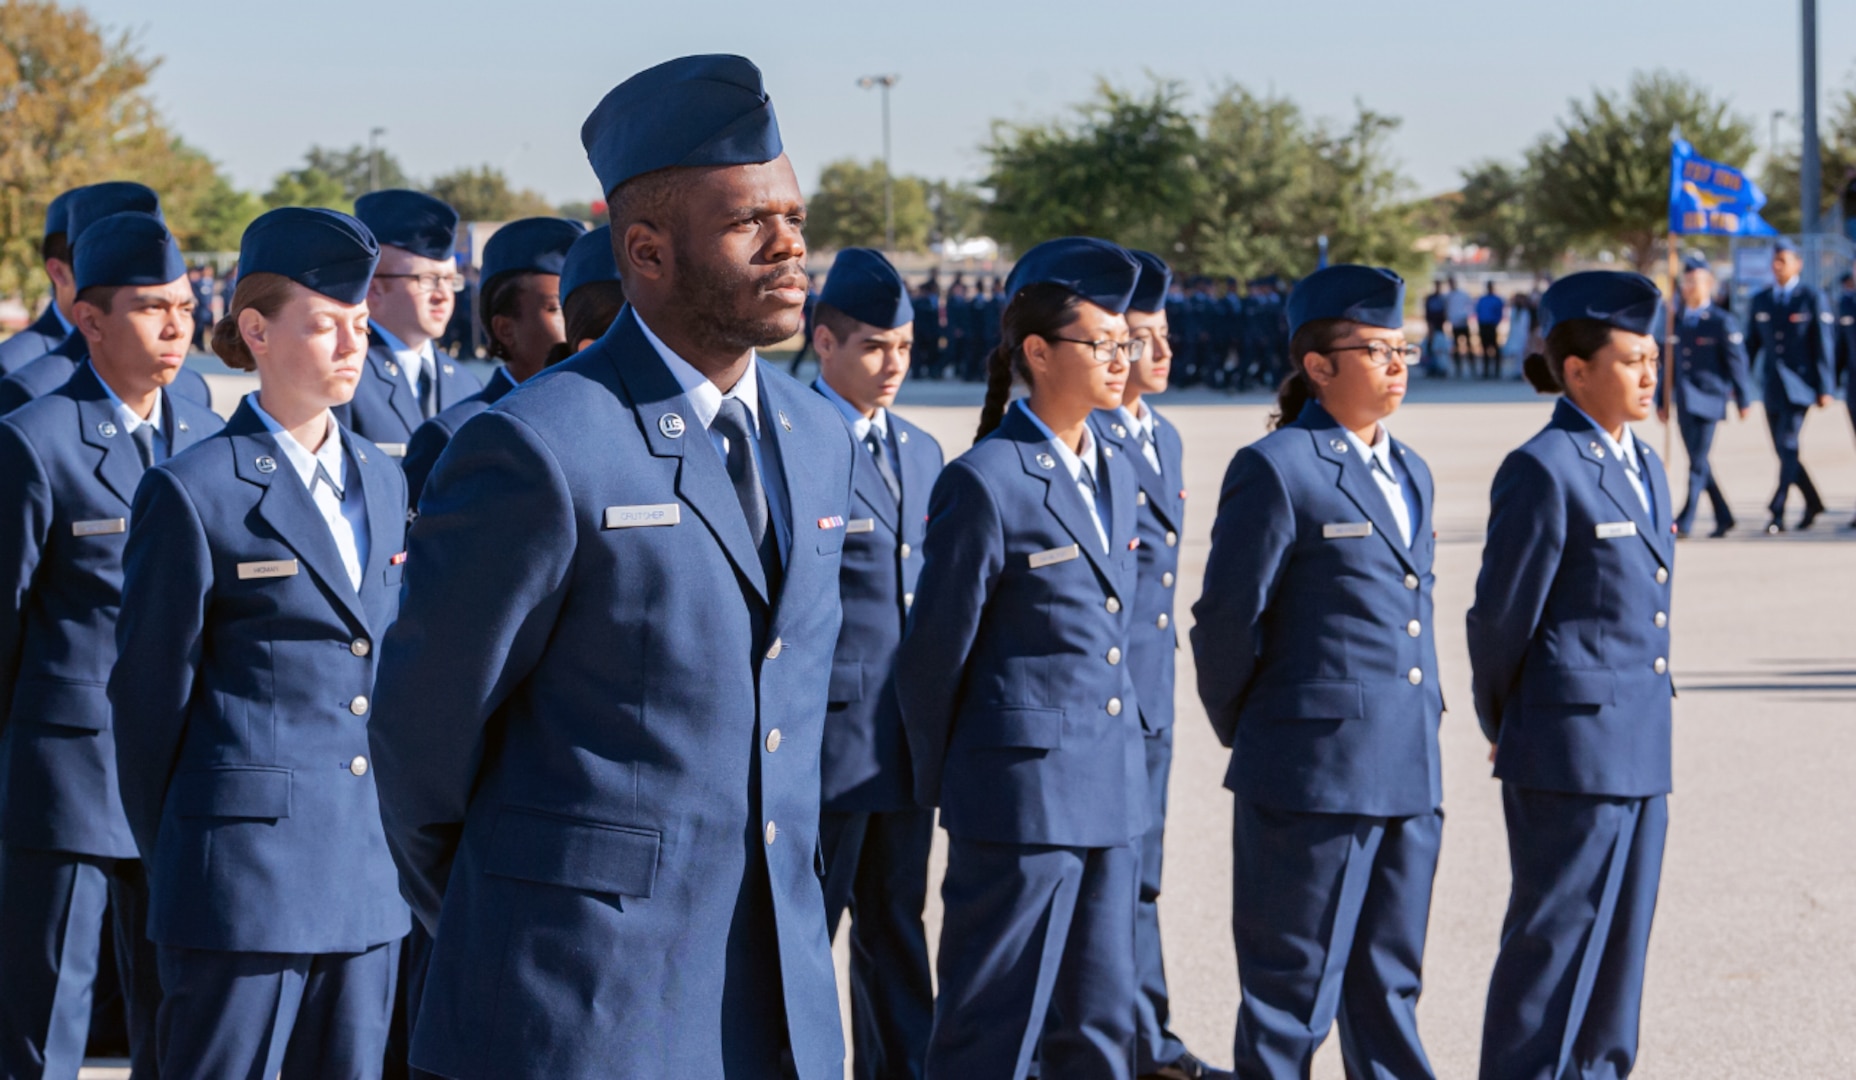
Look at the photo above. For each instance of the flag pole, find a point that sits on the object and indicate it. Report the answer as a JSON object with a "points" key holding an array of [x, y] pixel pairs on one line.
{"points": [[1669, 350]]}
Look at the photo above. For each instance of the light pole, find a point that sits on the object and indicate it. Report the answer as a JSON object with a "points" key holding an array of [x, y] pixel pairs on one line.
{"points": [[889, 184], [373, 157], [1810, 188]]}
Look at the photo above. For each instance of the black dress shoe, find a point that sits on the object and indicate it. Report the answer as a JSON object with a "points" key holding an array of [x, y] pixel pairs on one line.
{"points": [[1810, 518], [1721, 529], [1775, 526], [1187, 1067]]}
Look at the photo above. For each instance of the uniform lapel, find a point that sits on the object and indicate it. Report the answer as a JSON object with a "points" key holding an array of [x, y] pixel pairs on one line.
{"points": [[917, 473], [1354, 477], [1161, 493], [384, 529], [386, 367], [868, 484], [671, 431], [1424, 529], [449, 390], [286, 507], [120, 466], [1061, 497]]}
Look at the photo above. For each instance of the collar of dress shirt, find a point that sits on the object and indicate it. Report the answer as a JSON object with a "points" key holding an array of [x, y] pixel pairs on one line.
{"points": [[1625, 449], [860, 424], [705, 397], [329, 455], [69, 327], [1143, 422], [1073, 462], [125, 416], [410, 358], [1380, 449]]}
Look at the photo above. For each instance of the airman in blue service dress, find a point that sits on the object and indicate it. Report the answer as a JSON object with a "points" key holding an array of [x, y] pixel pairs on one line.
{"points": [[873, 836], [1317, 664], [602, 706], [51, 327], [258, 580], [1790, 325], [406, 382], [43, 374], [1568, 650], [538, 245], [1023, 728], [1710, 371], [69, 465], [1151, 445]]}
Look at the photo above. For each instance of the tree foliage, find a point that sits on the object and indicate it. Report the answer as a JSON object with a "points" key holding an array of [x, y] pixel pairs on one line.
{"points": [[847, 208], [1836, 165], [1603, 176], [485, 194], [1499, 208]]}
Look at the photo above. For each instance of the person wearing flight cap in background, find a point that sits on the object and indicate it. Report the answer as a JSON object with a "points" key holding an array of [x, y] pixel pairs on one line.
{"points": [[599, 754], [1710, 368], [873, 837], [407, 381], [54, 323], [69, 465], [46, 373], [1790, 324], [520, 302]]}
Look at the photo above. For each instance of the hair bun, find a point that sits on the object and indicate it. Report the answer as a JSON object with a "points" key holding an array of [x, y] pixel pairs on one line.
{"points": [[1539, 374]]}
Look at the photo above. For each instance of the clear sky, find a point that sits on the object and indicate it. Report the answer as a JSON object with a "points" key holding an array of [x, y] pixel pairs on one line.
{"points": [[509, 83]]}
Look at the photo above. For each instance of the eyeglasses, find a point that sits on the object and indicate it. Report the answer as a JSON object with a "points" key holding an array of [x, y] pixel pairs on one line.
{"points": [[1106, 350], [431, 283], [1379, 354]]}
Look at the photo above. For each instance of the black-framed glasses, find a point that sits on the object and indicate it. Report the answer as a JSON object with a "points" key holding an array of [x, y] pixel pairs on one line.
{"points": [[1379, 354], [431, 283], [1106, 350]]}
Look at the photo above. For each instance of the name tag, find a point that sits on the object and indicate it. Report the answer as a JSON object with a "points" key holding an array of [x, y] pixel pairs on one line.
{"points": [[1347, 530], [1041, 559], [1762, 316], [633, 517], [99, 527], [392, 449], [1612, 530], [280, 568], [860, 525]]}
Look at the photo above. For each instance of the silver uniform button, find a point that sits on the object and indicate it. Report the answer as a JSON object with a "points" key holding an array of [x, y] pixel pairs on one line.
{"points": [[1172, 538], [359, 646], [1411, 581], [908, 600], [1414, 628], [1114, 706], [773, 831], [773, 740], [358, 766], [359, 705], [1113, 605], [1114, 654], [1662, 576], [1414, 676], [773, 651], [1162, 621], [907, 551], [1661, 665], [1662, 619], [1166, 579], [1140, 498]]}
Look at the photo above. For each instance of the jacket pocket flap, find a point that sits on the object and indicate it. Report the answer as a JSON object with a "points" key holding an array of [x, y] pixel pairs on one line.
{"points": [[574, 853], [1573, 686], [1318, 699], [1034, 729], [847, 680], [62, 703], [235, 792]]}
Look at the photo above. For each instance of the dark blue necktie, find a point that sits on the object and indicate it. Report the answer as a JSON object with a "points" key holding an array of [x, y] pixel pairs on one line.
{"points": [[734, 423], [880, 454]]}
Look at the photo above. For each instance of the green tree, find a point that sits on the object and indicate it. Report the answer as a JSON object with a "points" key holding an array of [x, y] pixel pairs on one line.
{"points": [[1497, 208], [956, 209], [1123, 168], [308, 187], [582, 211], [1836, 168], [1603, 176], [354, 167], [484, 194], [847, 209]]}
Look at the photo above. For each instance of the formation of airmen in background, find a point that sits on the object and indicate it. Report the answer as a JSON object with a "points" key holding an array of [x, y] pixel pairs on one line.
{"points": [[552, 726]]}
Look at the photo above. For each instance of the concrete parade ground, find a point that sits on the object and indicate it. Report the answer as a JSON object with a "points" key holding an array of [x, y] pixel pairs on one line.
{"points": [[1752, 970]]}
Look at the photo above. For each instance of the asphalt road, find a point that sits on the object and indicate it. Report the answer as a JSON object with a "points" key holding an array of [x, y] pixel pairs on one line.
{"points": [[1752, 969]]}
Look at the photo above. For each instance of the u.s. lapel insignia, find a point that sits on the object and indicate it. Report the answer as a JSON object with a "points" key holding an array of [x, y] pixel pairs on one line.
{"points": [[107, 430], [182, 424], [671, 425], [266, 463], [1120, 431], [785, 423], [447, 369], [1046, 461], [1339, 445], [1597, 450], [902, 436], [393, 369]]}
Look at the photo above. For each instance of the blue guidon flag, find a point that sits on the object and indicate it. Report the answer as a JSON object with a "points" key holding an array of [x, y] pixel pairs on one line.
{"points": [[1708, 198]]}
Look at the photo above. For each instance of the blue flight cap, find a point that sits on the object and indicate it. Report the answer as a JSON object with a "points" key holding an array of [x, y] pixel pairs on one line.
{"points": [[98, 201], [536, 245], [322, 250], [1695, 260], [1785, 243], [864, 285], [1616, 298], [692, 111], [1156, 278], [130, 248], [410, 220], [590, 259], [1369, 295], [1100, 272], [58, 212]]}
